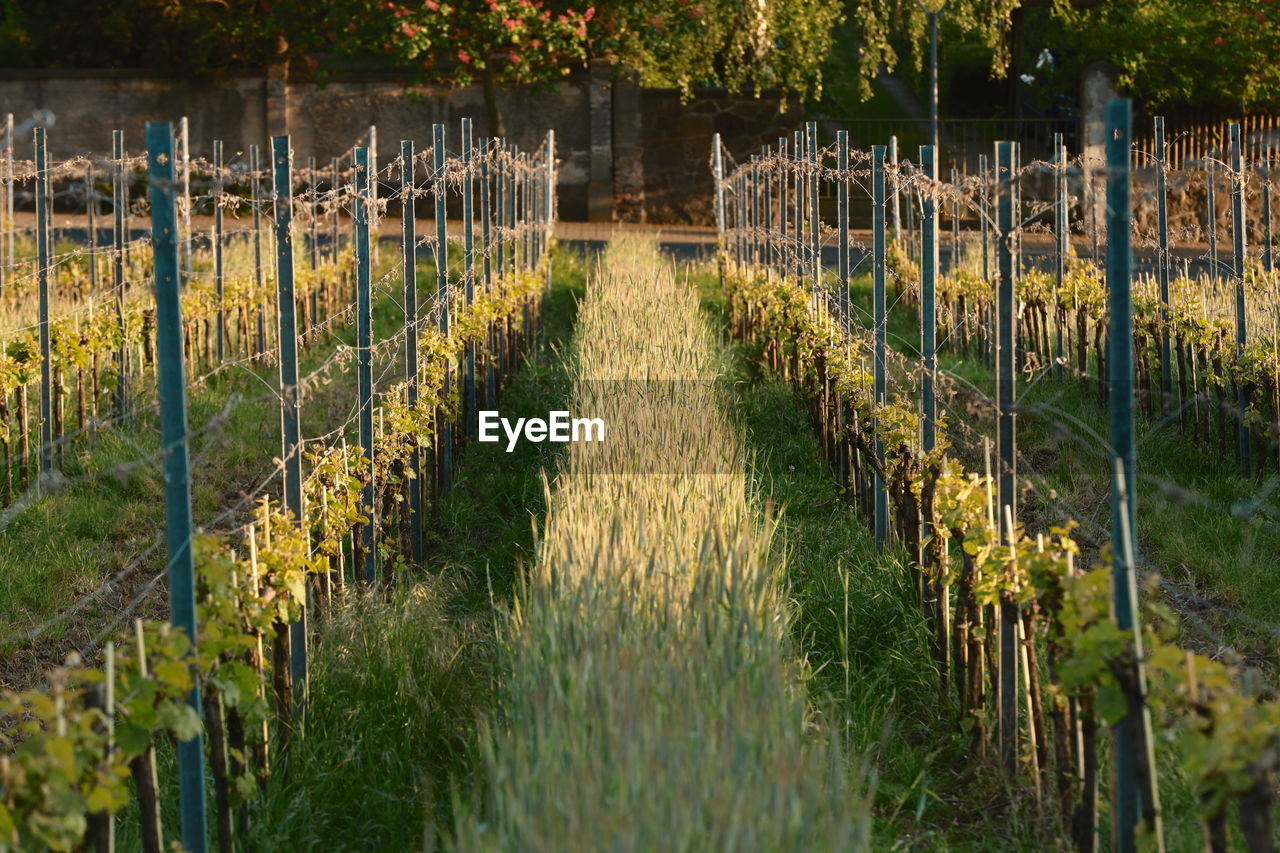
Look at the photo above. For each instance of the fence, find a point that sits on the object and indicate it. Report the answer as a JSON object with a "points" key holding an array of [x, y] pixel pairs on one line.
{"points": [[1189, 139], [1030, 644], [323, 519], [962, 140]]}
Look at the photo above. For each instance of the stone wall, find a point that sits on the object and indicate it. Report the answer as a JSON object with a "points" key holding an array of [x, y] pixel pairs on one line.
{"points": [[626, 153], [677, 147]]}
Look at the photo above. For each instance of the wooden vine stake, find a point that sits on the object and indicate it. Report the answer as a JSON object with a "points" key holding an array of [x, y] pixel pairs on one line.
{"points": [[143, 767]]}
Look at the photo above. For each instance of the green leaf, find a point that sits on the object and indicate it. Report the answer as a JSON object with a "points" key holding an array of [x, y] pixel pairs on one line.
{"points": [[174, 673], [103, 799], [181, 719], [7, 827], [1110, 703], [132, 739]]}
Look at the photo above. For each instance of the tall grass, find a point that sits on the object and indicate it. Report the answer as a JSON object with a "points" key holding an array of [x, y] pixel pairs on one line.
{"points": [[652, 699]]}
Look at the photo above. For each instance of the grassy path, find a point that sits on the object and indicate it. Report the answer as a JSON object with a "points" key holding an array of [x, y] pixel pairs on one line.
{"points": [[652, 699]]}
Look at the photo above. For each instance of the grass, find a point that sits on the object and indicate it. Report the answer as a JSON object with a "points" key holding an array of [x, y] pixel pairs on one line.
{"points": [[651, 699]]}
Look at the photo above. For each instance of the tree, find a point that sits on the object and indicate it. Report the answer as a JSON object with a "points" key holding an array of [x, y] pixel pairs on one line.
{"points": [[204, 38], [738, 45], [884, 29], [1199, 52], [521, 41]]}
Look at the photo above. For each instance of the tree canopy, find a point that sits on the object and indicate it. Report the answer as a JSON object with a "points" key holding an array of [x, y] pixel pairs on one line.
{"points": [[1198, 52], [1186, 51], [742, 45]]}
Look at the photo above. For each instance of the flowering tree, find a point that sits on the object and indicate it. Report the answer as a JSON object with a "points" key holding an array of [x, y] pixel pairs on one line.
{"points": [[522, 41], [741, 45]]}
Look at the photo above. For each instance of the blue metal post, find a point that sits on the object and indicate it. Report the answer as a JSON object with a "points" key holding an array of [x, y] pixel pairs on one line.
{"points": [[291, 446], [442, 291], [409, 246], [499, 212], [486, 266], [842, 229], [815, 235], [1133, 732], [780, 259], [1006, 443], [364, 361], [880, 323], [42, 280], [1211, 214], [117, 273], [1238, 226], [255, 191], [928, 288], [955, 222], [218, 281], [91, 211], [752, 218], [798, 149], [895, 194], [1162, 268], [335, 236], [1061, 235], [177, 474], [1268, 258], [550, 200], [983, 216], [313, 241], [717, 168], [468, 269]]}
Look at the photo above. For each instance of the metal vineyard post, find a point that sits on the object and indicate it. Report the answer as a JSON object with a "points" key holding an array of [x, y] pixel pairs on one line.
{"points": [[177, 474], [218, 282], [409, 248], [42, 280], [442, 290], [118, 202], [928, 285], [290, 402], [1134, 801], [1006, 444], [1162, 267], [879, 321], [364, 363], [1238, 227]]}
